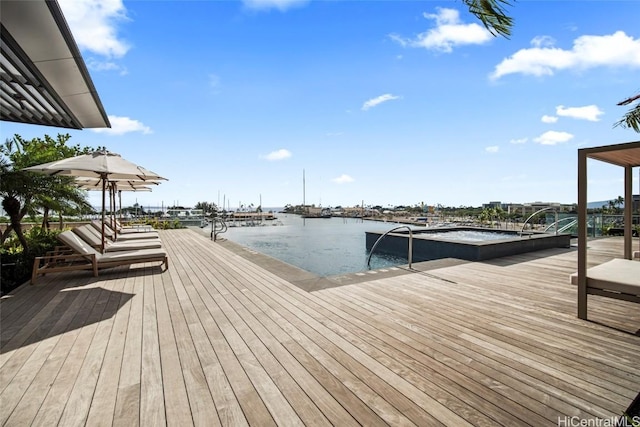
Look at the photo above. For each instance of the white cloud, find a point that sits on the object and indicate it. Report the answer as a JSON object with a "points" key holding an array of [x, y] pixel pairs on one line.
{"points": [[519, 141], [94, 25], [280, 154], [379, 100], [449, 32], [549, 119], [553, 137], [343, 179], [281, 5], [614, 50], [122, 125], [95, 65], [492, 149], [589, 112], [543, 41]]}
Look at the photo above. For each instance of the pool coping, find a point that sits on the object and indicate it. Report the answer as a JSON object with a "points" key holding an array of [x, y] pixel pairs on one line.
{"points": [[311, 282]]}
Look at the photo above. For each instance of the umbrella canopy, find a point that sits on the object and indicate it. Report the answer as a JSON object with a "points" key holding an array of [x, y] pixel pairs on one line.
{"points": [[101, 165], [121, 185]]}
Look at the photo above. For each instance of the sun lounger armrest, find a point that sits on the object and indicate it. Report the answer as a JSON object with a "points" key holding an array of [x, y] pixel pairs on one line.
{"points": [[69, 257], [53, 263]]}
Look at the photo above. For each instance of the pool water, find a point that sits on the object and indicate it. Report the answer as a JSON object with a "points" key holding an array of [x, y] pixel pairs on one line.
{"points": [[323, 246], [468, 235]]}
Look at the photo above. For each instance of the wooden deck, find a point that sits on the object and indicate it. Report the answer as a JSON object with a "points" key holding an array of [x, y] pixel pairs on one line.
{"points": [[217, 340]]}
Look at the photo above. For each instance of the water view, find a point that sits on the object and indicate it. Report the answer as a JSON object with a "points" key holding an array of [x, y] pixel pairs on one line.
{"points": [[323, 246]]}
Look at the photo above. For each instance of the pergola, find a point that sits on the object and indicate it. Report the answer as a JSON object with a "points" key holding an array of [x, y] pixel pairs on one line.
{"points": [[627, 156], [43, 78]]}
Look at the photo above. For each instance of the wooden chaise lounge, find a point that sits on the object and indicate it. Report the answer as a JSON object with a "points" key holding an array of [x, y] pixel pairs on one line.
{"points": [[85, 257], [618, 278], [124, 236], [90, 235], [132, 228]]}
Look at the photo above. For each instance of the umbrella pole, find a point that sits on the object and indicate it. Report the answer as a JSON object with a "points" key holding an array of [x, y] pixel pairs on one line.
{"points": [[112, 202], [104, 189]]}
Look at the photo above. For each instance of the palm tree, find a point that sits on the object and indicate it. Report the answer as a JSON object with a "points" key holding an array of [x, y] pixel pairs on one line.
{"points": [[23, 192]]}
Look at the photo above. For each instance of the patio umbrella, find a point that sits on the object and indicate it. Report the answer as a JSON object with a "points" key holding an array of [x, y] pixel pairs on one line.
{"points": [[101, 165], [92, 184]]}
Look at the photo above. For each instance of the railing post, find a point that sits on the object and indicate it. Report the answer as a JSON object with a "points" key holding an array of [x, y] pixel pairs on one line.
{"points": [[410, 254]]}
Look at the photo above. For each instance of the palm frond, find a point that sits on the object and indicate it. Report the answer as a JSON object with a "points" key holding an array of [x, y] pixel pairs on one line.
{"points": [[492, 14], [632, 118]]}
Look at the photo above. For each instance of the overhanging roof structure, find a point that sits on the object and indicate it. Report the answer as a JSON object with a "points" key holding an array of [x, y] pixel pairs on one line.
{"points": [[627, 154], [43, 78]]}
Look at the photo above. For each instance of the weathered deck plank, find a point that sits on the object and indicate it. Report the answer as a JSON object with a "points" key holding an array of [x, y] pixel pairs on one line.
{"points": [[218, 340]]}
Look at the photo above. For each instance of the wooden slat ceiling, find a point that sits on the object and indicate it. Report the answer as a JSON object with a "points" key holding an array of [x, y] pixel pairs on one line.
{"points": [[619, 154], [43, 78]]}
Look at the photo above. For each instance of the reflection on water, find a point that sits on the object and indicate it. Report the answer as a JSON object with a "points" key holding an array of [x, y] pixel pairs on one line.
{"points": [[323, 246]]}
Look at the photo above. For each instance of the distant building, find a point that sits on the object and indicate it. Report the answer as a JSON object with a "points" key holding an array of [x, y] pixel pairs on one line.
{"points": [[526, 209], [492, 205]]}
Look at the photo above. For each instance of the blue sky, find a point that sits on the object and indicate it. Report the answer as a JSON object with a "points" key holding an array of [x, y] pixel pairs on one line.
{"points": [[386, 102]]}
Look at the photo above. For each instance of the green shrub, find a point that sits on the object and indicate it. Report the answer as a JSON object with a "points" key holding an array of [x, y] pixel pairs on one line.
{"points": [[162, 224], [17, 263]]}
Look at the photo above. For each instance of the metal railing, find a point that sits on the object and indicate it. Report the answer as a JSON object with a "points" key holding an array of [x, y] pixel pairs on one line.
{"points": [[410, 249], [573, 219], [555, 211], [218, 226]]}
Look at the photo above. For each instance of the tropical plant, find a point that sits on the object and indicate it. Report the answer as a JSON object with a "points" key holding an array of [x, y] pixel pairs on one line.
{"points": [[17, 262], [492, 14], [24, 192], [632, 118], [207, 207]]}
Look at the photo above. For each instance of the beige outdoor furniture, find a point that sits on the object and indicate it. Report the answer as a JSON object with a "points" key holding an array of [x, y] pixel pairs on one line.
{"points": [[82, 256], [90, 235], [108, 231], [133, 227], [618, 278], [626, 156]]}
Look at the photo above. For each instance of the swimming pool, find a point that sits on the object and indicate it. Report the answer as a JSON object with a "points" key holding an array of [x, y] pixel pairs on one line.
{"points": [[322, 246], [465, 243]]}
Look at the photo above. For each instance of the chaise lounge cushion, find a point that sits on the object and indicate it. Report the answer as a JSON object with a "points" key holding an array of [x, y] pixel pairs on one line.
{"points": [[108, 231], [85, 257], [617, 275], [74, 241], [90, 235], [134, 227]]}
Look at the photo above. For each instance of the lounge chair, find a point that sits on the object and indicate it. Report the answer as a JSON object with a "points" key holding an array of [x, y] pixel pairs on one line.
{"points": [[90, 235], [618, 279], [85, 257], [108, 231], [134, 227]]}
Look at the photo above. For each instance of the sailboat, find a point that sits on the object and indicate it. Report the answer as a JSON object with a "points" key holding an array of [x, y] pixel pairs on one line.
{"points": [[312, 212]]}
